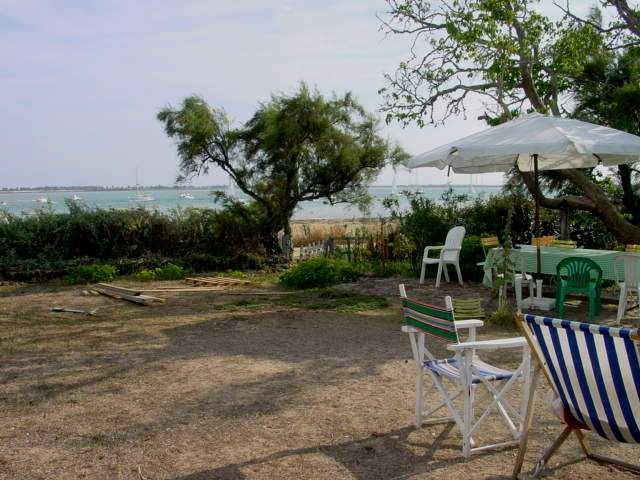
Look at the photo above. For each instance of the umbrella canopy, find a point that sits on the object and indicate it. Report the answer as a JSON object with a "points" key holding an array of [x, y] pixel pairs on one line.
{"points": [[559, 143]]}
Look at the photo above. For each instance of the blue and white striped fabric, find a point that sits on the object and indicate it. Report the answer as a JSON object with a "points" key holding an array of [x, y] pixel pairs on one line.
{"points": [[449, 368], [596, 372]]}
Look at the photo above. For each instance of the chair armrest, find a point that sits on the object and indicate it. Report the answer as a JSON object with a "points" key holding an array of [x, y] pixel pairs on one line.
{"points": [[471, 323], [516, 342], [410, 329], [428, 248]]}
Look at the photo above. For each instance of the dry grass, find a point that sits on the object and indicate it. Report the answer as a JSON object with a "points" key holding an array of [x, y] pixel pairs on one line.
{"points": [[306, 232], [193, 390]]}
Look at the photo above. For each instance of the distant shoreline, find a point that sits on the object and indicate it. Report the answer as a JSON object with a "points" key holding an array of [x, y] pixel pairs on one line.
{"points": [[167, 187]]}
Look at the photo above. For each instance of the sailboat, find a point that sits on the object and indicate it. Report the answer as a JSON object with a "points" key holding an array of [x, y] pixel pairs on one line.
{"points": [[141, 195], [76, 197], [414, 191], [43, 200], [186, 195], [472, 187], [394, 184]]}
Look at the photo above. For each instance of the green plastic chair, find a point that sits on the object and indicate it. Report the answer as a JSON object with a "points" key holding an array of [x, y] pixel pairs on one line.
{"points": [[579, 275], [468, 309]]}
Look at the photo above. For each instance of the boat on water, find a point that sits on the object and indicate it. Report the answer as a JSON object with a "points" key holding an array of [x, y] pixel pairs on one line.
{"points": [[187, 195], [44, 200], [141, 195], [76, 197]]}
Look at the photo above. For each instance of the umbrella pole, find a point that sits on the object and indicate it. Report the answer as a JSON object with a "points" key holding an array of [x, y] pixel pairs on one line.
{"points": [[536, 224]]}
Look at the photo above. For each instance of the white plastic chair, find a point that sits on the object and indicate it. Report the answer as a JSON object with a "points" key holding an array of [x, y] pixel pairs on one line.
{"points": [[465, 371], [449, 255], [631, 282]]}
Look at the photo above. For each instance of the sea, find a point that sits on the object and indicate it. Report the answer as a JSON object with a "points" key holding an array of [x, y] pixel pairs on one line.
{"points": [[29, 202]]}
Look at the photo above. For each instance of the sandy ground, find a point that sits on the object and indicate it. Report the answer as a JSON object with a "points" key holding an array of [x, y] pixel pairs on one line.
{"points": [[192, 390]]}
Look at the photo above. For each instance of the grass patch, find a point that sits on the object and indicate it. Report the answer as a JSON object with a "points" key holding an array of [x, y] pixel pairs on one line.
{"points": [[315, 299]]}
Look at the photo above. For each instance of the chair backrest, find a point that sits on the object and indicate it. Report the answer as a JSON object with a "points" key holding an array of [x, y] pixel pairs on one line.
{"points": [[564, 244], [437, 322], [630, 264], [632, 248], [578, 272], [489, 243], [453, 242], [543, 241], [594, 370], [468, 308]]}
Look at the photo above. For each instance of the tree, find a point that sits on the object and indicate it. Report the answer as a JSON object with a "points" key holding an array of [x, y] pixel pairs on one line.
{"points": [[510, 57], [295, 148]]}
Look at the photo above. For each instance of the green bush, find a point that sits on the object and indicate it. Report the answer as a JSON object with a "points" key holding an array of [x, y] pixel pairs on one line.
{"points": [[470, 255], [133, 240], [170, 271], [319, 272], [503, 317], [91, 274]]}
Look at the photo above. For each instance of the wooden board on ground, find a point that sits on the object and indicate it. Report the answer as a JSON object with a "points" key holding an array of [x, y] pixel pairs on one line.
{"points": [[217, 281], [117, 293]]}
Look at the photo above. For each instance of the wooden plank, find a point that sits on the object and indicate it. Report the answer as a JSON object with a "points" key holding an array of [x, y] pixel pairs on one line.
{"points": [[117, 289], [141, 300], [221, 281], [127, 291]]}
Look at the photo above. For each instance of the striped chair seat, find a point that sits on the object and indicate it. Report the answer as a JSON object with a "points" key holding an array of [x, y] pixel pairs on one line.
{"points": [[449, 368], [596, 371]]}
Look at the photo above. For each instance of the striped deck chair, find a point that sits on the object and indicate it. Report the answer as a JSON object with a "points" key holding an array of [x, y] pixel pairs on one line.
{"points": [[594, 372], [426, 323]]}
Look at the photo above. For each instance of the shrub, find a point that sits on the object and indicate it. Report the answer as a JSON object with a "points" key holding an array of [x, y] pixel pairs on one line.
{"points": [[91, 274], [503, 316], [170, 271], [319, 272], [470, 255]]}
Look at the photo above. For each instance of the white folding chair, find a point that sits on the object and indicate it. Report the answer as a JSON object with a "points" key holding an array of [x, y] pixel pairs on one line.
{"points": [[631, 283], [465, 370], [449, 255]]}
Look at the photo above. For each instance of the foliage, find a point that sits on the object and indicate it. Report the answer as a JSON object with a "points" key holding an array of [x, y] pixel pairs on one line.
{"points": [[319, 272], [503, 316], [91, 274], [295, 148], [516, 60], [470, 255], [47, 244], [169, 271]]}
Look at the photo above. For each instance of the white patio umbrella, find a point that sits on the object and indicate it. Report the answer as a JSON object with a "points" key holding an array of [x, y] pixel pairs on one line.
{"points": [[534, 142]]}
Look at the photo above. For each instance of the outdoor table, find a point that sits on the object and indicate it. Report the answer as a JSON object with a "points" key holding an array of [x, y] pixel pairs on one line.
{"points": [[551, 257]]}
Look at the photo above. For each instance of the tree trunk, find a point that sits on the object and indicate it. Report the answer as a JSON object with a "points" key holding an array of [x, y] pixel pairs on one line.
{"points": [[630, 200], [594, 201]]}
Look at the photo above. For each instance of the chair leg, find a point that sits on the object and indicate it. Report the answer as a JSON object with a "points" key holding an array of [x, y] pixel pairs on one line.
{"points": [[517, 286], [560, 303], [593, 305], [422, 272], [459, 274], [439, 275], [551, 450], [466, 421], [526, 427], [419, 395], [446, 272]]}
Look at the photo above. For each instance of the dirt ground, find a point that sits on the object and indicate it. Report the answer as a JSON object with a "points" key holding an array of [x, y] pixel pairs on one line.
{"points": [[194, 390]]}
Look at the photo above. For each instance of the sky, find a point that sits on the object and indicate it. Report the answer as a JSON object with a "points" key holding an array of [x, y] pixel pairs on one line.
{"points": [[81, 81]]}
